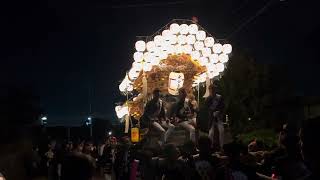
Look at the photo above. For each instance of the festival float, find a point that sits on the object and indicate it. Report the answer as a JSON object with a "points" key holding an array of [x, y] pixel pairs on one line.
{"points": [[180, 54]]}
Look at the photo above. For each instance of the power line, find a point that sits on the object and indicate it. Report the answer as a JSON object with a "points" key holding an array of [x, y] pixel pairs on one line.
{"points": [[147, 4], [249, 20]]}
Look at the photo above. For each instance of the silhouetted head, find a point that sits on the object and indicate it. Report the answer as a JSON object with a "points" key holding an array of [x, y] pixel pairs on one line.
{"points": [[156, 94], [171, 152], [204, 144], [77, 166], [310, 144]]}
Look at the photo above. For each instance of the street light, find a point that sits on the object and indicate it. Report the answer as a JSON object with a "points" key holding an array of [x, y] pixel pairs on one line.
{"points": [[110, 132], [44, 120]]}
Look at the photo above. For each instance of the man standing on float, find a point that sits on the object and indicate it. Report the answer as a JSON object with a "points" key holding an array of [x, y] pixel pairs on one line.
{"points": [[215, 106]]}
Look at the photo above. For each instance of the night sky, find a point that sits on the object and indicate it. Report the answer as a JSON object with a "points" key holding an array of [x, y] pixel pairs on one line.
{"points": [[63, 50]]}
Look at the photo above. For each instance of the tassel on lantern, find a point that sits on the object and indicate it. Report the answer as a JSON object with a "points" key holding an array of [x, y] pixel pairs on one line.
{"points": [[126, 119], [207, 88], [144, 87]]}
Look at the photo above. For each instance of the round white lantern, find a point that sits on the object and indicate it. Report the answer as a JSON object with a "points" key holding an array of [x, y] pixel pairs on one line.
{"points": [[174, 28], [206, 52], [201, 35], [173, 39], [223, 58], [187, 49], [217, 48], [193, 28], [140, 45], [195, 55], [198, 45], [166, 32], [227, 48], [220, 67], [147, 67], [138, 56], [182, 39], [133, 74], [178, 49], [209, 41], [151, 46], [203, 61], [213, 58], [137, 66], [158, 40], [184, 29], [191, 39]]}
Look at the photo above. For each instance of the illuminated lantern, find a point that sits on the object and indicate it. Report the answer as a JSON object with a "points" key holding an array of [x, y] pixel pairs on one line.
{"points": [[198, 45], [138, 56], [184, 29], [203, 61], [193, 28], [174, 28], [173, 39], [201, 35], [195, 55], [209, 42], [217, 48], [166, 32], [213, 58], [223, 58], [133, 74], [187, 49], [191, 39], [135, 135], [158, 40], [121, 111], [206, 52], [220, 67], [151, 46], [182, 39], [140, 45], [227, 48], [176, 81]]}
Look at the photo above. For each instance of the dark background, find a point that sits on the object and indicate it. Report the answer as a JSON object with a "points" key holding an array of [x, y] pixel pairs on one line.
{"points": [[73, 53]]}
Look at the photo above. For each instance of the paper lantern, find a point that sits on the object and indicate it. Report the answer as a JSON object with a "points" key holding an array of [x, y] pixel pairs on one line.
{"points": [[147, 66], [176, 81], [223, 58], [206, 52], [227, 48], [173, 39], [138, 56], [193, 28], [209, 41], [198, 45], [166, 32], [187, 49], [201, 35], [137, 66], [220, 67], [158, 40], [217, 48], [121, 111], [174, 28], [213, 58], [133, 74], [182, 39], [151, 46], [184, 29], [195, 55], [203, 61], [178, 49], [135, 135], [191, 39], [140, 46]]}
